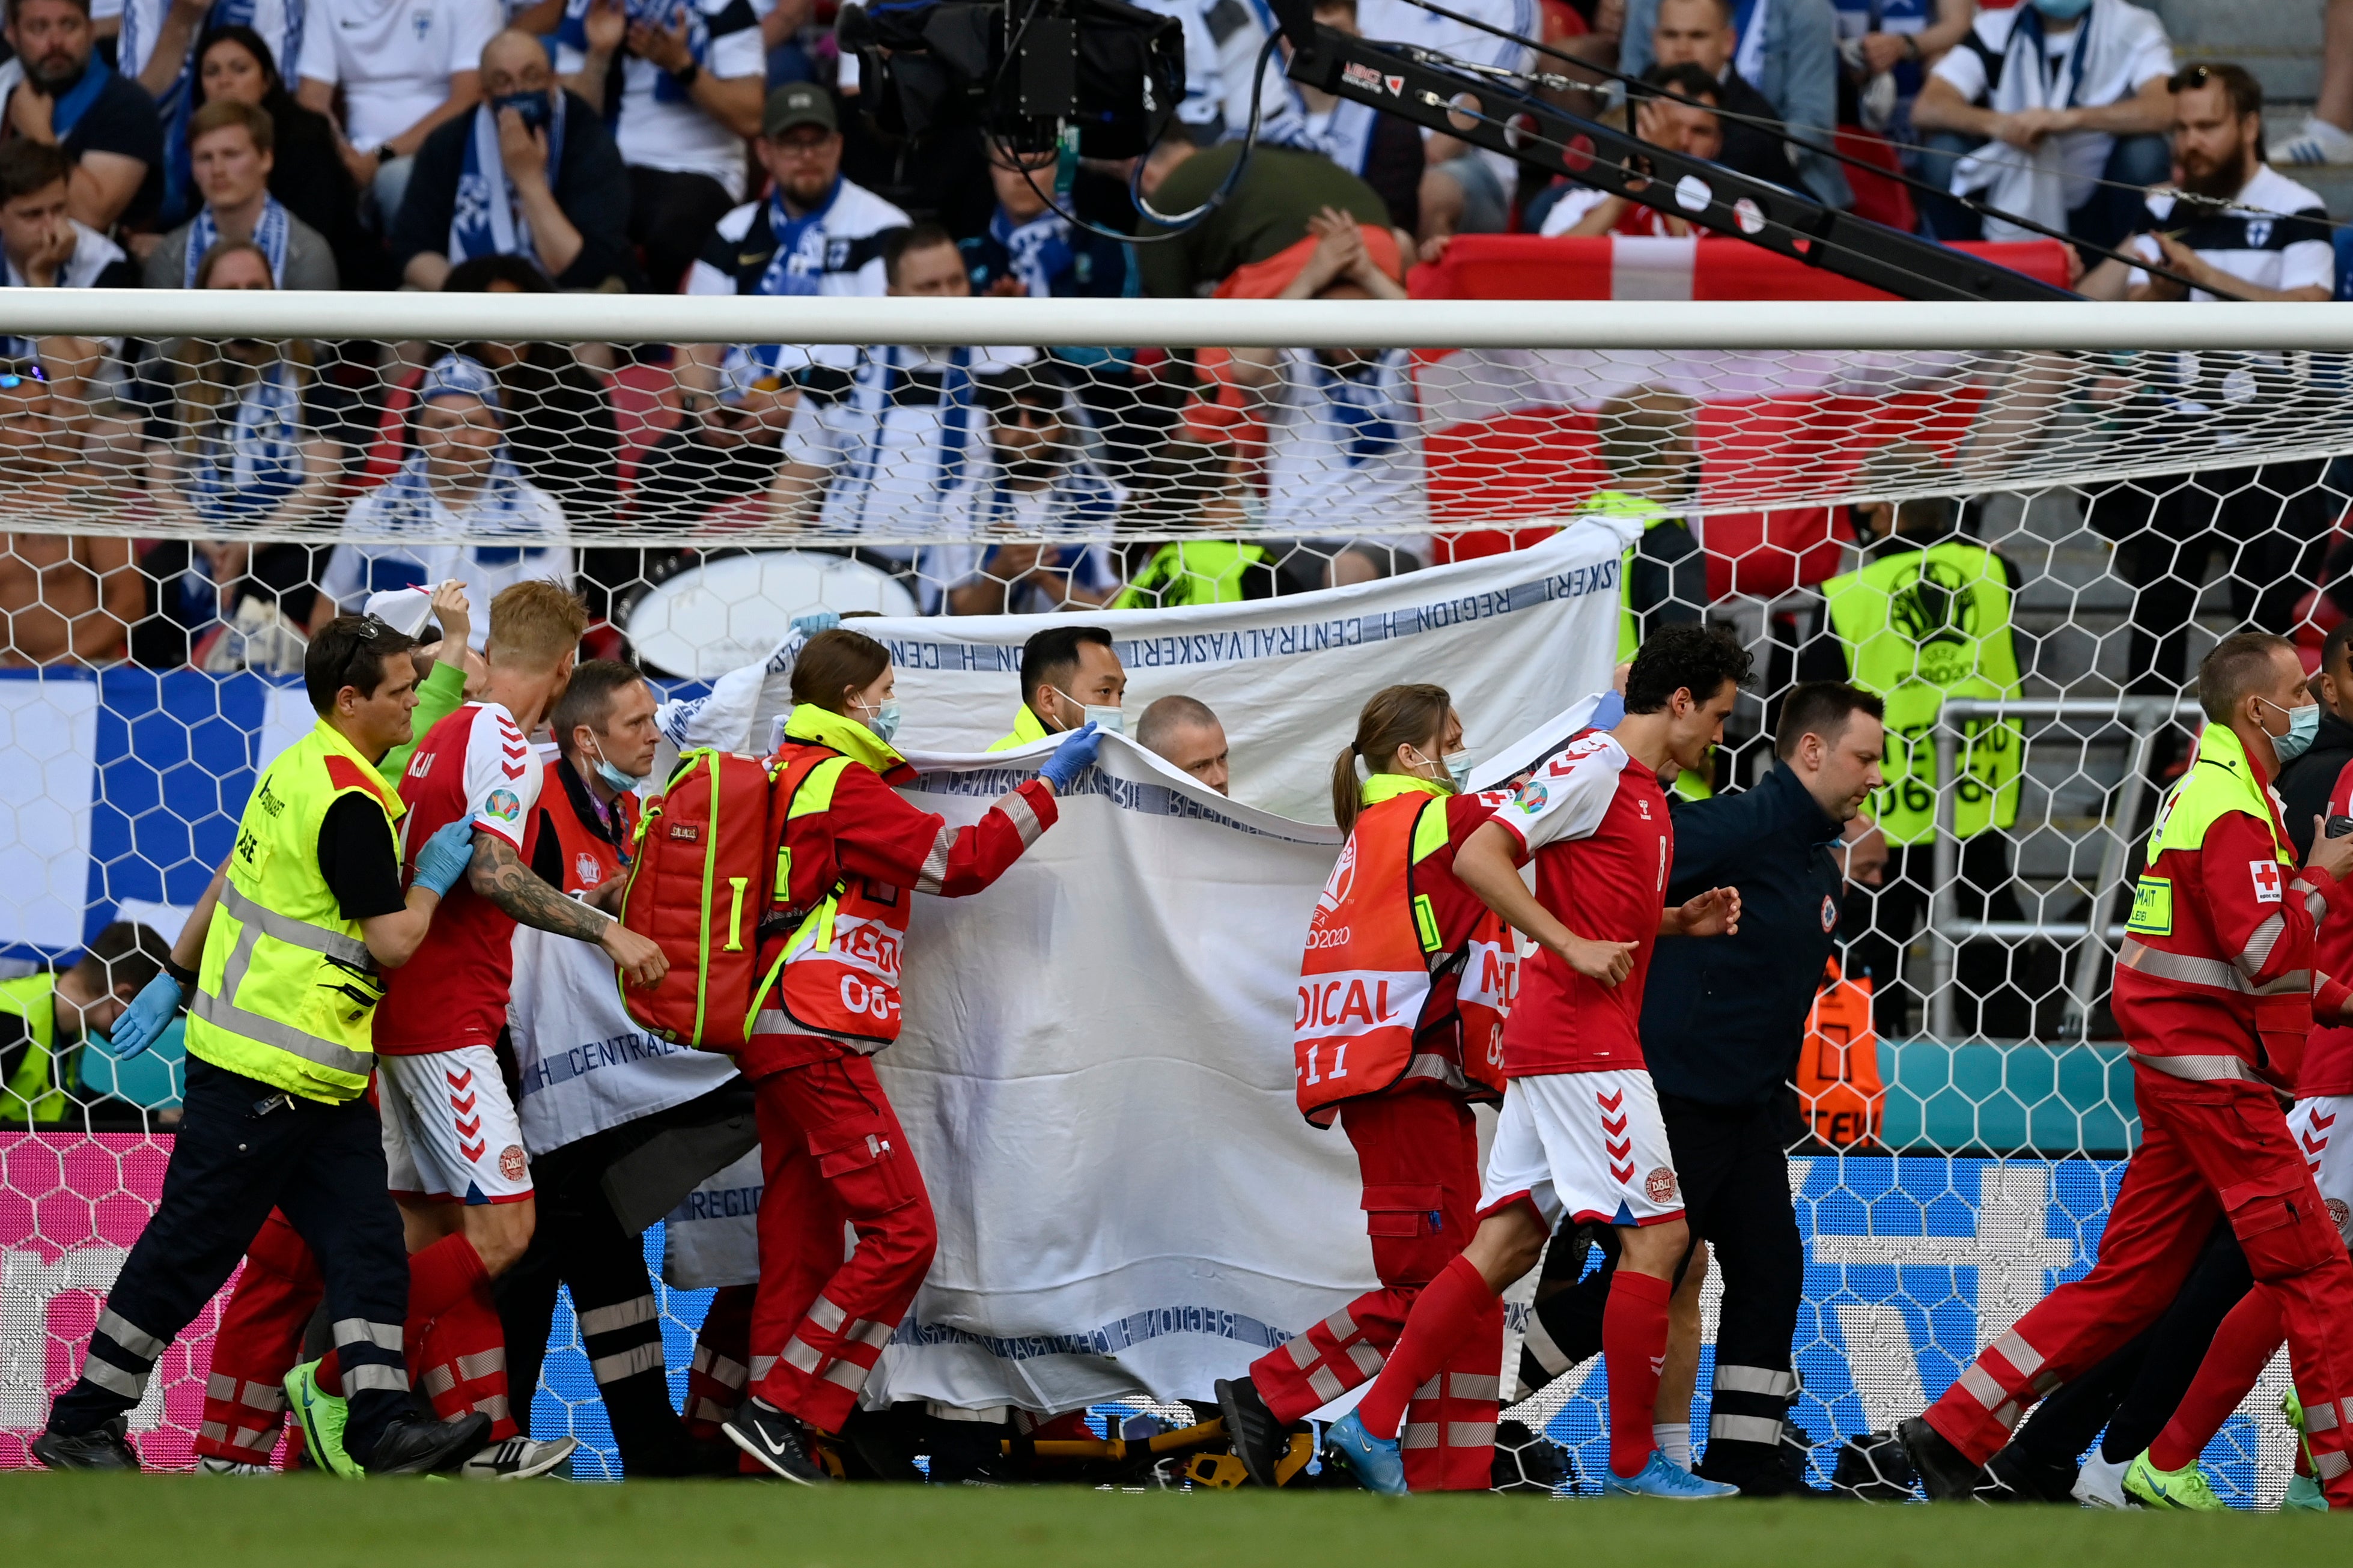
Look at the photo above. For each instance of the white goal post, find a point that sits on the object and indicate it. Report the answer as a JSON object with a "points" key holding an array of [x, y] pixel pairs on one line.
{"points": [[1832, 326]]}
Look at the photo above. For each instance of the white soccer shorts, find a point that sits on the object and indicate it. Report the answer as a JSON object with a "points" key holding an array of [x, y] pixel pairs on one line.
{"points": [[2323, 1126], [449, 1131], [1583, 1147]]}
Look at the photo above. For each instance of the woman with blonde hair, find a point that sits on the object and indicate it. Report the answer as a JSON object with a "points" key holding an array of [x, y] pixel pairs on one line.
{"points": [[1402, 993]]}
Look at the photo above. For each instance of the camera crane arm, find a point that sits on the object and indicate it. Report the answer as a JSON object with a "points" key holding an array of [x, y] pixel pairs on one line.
{"points": [[1500, 118]]}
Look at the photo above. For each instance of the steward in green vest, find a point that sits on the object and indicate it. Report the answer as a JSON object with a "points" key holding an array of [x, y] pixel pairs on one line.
{"points": [[1069, 674], [1929, 616], [1648, 445], [286, 948], [1201, 572], [45, 1018]]}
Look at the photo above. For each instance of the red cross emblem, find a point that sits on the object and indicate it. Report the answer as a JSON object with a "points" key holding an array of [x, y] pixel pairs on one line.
{"points": [[2266, 874]]}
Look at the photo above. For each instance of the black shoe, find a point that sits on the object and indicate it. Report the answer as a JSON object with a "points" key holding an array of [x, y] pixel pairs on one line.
{"points": [[1768, 1479], [777, 1441], [102, 1448], [1872, 1467], [2015, 1475], [1260, 1440], [412, 1446], [1945, 1475]]}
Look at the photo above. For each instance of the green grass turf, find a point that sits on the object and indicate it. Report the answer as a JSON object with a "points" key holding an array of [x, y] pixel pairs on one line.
{"points": [[158, 1522]]}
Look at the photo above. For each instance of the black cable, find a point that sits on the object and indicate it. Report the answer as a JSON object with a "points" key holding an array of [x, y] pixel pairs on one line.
{"points": [[1782, 131], [1182, 224]]}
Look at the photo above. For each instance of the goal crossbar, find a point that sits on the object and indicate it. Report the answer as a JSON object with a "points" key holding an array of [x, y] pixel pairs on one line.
{"points": [[1493, 324]]}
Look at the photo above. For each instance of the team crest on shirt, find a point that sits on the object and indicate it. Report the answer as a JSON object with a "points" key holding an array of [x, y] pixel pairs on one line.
{"points": [[511, 1164], [423, 22], [1829, 914], [2337, 1214], [1661, 1185], [504, 805], [586, 869], [2259, 233]]}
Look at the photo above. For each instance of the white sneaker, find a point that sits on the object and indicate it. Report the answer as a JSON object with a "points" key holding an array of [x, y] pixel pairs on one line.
{"points": [[209, 1466], [2100, 1484], [518, 1459], [2313, 142]]}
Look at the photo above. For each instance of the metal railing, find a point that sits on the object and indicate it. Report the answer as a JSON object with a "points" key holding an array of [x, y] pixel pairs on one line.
{"points": [[2097, 937]]}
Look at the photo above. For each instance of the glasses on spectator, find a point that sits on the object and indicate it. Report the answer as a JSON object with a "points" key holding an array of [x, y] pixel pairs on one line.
{"points": [[12, 379], [1025, 413]]}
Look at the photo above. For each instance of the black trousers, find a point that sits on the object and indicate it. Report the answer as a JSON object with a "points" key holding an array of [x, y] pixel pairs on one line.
{"points": [[242, 1149], [2133, 1393], [579, 1243], [1733, 1164], [670, 217], [2267, 524]]}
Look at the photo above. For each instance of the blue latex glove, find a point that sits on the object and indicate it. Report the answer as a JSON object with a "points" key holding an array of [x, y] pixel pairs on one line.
{"points": [[445, 856], [1074, 756], [809, 625], [144, 1021]]}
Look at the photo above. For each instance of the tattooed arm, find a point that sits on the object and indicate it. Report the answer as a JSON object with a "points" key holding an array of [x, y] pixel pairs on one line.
{"points": [[498, 874]]}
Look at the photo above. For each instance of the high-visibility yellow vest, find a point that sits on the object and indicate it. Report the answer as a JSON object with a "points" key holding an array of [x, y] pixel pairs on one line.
{"points": [[1192, 572], [1026, 727], [1688, 786], [1919, 626], [287, 991], [1623, 503], [2218, 781], [36, 1093]]}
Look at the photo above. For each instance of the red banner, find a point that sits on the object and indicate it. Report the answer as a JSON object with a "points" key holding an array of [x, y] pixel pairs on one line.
{"points": [[1762, 421]]}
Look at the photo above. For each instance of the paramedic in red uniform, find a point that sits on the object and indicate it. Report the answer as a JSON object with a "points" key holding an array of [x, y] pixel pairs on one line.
{"points": [[1579, 1138], [1403, 989], [831, 1148], [2215, 993]]}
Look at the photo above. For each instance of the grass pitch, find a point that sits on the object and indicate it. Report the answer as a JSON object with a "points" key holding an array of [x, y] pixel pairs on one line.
{"points": [[177, 1521]]}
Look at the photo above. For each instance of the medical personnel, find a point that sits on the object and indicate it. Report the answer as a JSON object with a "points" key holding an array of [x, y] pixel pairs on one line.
{"points": [[2216, 990], [1071, 675], [854, 853], [1579, 1138], [310, 913], [1403, 994]]}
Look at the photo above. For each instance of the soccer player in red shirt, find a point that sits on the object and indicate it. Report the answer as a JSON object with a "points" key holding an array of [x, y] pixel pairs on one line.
{"points": [[453, 1145], [1579, 1138]]}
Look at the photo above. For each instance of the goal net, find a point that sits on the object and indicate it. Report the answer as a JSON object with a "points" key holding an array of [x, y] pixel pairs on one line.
{"points": [[2024, 526]]}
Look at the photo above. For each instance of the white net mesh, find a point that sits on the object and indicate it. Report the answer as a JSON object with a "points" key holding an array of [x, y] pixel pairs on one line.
{"points": [[2080, 525]]}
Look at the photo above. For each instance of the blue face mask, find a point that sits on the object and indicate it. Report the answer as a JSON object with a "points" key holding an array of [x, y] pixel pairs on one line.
{"points": [[533, 105], [2062, 10], [885, 722], [622, 783], [2303, 728]]}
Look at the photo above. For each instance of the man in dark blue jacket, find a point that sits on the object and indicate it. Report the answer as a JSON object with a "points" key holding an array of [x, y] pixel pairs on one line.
{"points": [[1723, 1023]]}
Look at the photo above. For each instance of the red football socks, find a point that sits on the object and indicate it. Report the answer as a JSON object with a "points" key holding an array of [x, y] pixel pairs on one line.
{"points": [[440, 1277], [2241, 1348], [1633, 1344], [1448, 1308]]}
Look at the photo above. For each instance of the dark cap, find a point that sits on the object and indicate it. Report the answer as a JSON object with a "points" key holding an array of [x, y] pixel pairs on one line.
{"points": [[796, 103]]}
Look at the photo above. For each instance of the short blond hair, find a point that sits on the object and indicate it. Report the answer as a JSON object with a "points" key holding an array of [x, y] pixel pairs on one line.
{"points": [[533, 625]]}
